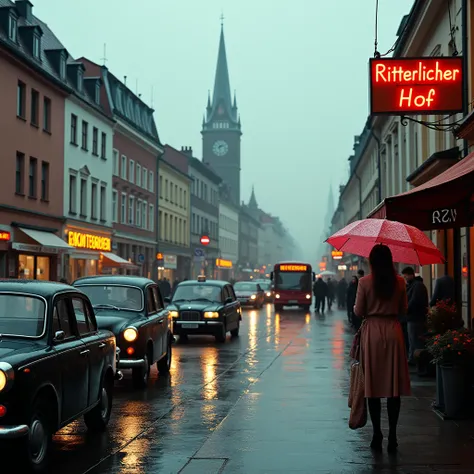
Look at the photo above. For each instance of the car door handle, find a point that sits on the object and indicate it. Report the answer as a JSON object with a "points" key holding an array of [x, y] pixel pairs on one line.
{"points": [[160, 321], [102, 345], [83, 353]]}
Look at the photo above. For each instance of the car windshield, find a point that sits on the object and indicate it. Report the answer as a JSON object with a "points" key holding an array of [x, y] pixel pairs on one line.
{"points": [[21, 316], [245, 286], [264, 285], [198, 292], [114, 297], [293, 281]]}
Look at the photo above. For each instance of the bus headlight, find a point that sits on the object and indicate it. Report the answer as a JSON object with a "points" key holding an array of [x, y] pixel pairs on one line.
{"points": [[308, 297], [277, 296], [253, 297], [130, 334], [174, 314], [211, 314]]}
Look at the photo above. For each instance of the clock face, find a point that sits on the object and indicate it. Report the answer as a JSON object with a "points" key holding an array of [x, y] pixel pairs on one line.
{"points": [[220, 148]]}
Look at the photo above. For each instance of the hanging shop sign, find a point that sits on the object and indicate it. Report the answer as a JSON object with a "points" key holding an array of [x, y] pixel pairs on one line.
{"points": [[408, 86], [337, 255], [221, 263], [170, 261], [322, 266], [342, 268], [5, 236], [159, 256], [89, 241]]}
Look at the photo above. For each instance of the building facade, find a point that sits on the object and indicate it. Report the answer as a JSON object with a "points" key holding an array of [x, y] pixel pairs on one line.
{"points": [[136, 149], [174, 215], [221, 128], [204, 215], [248, 243], [34, 88]]}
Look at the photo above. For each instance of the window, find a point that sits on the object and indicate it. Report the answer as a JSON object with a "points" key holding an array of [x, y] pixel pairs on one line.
{"points": [[21, 100], [115, 164], [123, 167], [114, 206], [94, 201], [150, 182], [161, 186], [131, 171], [166, 190], [20, 173], [74, 129], [145, 178], [61, 320], [151, 217], [144, 219], [84, 325], [97, 93], [138, 213], [95, 141], [180, 202], [123, 209], [103, 203], [103, 146], [185, 205], [176, 194], [12, 28], [32, 177], [83, 197], [139, 175], [131, 205], [171, 193], [62, 67], [34, 107], [80, 80], [44, 180], [47, 115], [36, 46], [85, 131], [72, 194]]}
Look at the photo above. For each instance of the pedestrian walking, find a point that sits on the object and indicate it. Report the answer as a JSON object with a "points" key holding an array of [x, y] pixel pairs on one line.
{"points": [[381, 298], [341, 293], [320, 291], [331, 293], [444, 290], [417, 311], [350, 302]]}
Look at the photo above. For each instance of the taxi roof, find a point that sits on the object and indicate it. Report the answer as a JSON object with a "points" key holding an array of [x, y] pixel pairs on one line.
{"points": [[206, 282], [128, 280], [34, 287]]}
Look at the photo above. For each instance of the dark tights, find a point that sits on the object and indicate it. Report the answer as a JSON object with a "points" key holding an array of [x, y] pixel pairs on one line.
{"points": [[393, 409]]}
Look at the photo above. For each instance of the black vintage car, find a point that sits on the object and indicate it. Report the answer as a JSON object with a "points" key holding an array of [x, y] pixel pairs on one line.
{"points": [[54, 367], [205, 307], [132, 308]]}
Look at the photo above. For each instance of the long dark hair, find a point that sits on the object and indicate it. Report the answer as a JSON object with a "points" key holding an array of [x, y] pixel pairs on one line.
{"points": [[384, 277]]}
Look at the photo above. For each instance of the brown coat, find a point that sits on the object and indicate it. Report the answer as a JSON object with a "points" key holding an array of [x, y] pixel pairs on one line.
{"points": [[383, 351]]}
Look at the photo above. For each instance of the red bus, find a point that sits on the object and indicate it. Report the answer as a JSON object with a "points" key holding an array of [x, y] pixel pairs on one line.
{"points": [[292, 285]]}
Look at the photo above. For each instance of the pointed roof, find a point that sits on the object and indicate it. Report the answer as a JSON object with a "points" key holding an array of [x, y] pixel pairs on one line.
{"points": [[330, 207], [253, 200], [221, 82]]}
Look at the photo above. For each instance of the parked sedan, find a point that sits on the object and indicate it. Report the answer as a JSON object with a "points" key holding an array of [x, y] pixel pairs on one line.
{"points": [[269, 294], [249, 293], [133, 309], [205, 307], [55, 367]]}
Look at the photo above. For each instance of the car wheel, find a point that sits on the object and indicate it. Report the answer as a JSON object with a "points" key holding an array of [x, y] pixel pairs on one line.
{"points": [[164, 364], [235, 332], [221, 335], [98, 418], [140, 375]]}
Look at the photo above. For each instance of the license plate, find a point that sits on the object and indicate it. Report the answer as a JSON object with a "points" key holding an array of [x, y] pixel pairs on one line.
{"points": [[293, 301], [189, 326]]}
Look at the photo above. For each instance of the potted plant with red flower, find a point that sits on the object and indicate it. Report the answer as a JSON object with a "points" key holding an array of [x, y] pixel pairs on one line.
{"points": [[443, 317]]}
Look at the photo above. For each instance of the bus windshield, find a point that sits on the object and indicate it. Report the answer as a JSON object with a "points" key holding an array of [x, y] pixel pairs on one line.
{"points": [[293, 281]]}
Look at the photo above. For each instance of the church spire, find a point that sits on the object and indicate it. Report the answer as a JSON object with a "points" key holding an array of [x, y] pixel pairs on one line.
{"points": [[221, 91], [253, 200]]}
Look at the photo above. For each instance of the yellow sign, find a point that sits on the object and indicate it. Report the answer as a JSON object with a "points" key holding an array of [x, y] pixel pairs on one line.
{"points": [[223, 263], [89, 241], [293, 268], [337, 255]]}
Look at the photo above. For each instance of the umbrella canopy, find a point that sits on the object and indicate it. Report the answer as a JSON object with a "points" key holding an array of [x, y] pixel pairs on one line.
{"points": [[407, 243], [327, 273]]}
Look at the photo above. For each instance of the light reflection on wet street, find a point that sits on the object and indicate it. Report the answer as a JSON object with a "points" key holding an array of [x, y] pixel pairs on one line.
{"points": [[272, 400]]}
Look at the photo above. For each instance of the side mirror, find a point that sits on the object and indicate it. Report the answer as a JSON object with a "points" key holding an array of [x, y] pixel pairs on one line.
{"points": [[167, 299], [271, 276], [314, 276], [228, 300], [59, 336]]}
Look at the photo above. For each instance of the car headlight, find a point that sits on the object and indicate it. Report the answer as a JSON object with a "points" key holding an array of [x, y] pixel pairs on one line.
{"points": [[211, 314], [3, 380], [174, 314], [253, 297], [308, 297], [277, 296], [130, 334], [7, 375], [268, 293]]}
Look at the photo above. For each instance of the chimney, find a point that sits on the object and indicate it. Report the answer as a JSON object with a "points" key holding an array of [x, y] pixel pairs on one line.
{"points": [[25, 9], [187, 150]]}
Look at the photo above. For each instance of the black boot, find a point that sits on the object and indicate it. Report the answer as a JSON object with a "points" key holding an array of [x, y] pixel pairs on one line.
{"points": [[393, 408], [375, 410]]}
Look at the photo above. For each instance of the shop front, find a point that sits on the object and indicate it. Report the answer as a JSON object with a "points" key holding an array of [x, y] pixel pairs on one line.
{"points": [[224, 269], [168, 267], [31, 253]]}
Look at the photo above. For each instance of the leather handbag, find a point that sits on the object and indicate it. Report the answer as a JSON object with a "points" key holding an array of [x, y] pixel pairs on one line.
{"points": [[357, 401], [355, 348]]}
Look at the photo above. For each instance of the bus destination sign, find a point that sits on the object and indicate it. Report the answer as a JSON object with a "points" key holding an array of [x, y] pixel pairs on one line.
{"points": [[293, 268], [408, 86]]}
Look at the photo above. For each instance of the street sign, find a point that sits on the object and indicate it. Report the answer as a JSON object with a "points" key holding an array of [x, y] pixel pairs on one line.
{"points": [[199, 253], [205, 240], [141, 258]]}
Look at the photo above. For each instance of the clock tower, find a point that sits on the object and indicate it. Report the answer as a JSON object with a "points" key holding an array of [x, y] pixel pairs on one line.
{"points": [[221, 127]]}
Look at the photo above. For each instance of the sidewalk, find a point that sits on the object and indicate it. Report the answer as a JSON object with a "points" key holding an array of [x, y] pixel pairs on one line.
{"points": [[294, 419]]}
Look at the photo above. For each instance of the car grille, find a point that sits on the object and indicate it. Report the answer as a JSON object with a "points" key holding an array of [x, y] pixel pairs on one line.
{"points": [[190, 316]]}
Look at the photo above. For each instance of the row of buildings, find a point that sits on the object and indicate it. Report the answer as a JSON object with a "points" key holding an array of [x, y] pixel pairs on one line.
{"points": [[397, 162], [89, 186]]}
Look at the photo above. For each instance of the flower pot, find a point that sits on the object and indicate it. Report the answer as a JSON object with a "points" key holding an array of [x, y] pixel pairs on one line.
{"points": [[455, 388], [439, 388]]}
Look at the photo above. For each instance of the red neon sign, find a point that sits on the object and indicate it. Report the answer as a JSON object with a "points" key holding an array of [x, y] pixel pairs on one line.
{"points": [[205, 240], [404, 86], [5, 236]]}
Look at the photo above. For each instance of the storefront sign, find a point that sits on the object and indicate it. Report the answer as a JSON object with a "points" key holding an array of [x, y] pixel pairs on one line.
{"points": [[34, 248], [337, 255], [89, 241], [223, 263], [5, 236], [322, 266], [404, 86], [443, 216], [170, 261], [342, 268]]}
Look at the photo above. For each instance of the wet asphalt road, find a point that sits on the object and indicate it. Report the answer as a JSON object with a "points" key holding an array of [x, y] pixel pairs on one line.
{"points": [[273, 400]]}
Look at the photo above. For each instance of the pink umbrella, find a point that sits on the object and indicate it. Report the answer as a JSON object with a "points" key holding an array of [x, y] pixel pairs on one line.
{"points": [[407, 243]]}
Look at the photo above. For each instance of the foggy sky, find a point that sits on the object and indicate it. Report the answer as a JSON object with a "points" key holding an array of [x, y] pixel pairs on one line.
{"points": [[300, 69]]}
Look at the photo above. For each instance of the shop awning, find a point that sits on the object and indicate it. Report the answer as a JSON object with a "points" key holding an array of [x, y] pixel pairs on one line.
{"points": [[47, 239], [444, 202], [113, 260]]}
